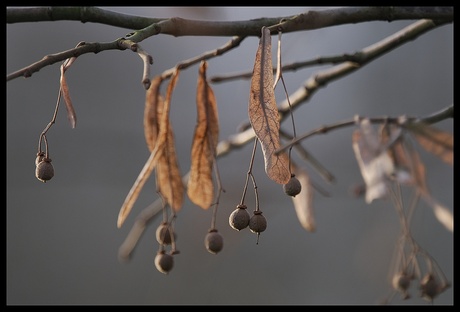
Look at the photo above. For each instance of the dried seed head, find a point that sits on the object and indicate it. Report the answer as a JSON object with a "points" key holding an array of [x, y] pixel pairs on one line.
{"points": [[213, 241], [293, 187], [401, 282], [44, 170], [429, 287], [163, 234], [257, 223], [164, 262], [239, 218]]}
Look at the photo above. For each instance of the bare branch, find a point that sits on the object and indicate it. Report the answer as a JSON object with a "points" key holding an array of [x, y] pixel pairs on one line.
{"points": [[170, 26], [50, 59], [146, 58], [312, 19]]}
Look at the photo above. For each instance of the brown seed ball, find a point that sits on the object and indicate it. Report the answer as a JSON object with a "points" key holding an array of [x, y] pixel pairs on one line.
{"points": [[257, 223], [239, 218], [163, 234], [293, 187], [429, 287], [44, 170], [401, 282], [164, 262], [213, 241]]}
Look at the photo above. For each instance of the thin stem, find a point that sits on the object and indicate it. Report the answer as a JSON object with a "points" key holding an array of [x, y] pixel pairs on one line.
{"points": [[53, 120], [251, 162]]}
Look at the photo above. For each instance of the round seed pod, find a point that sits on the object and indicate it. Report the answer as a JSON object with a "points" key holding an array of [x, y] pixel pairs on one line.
{"points": [[293, 187], [163, 234], [164, 262], [239, 218], [429, 287], [44, 170], [401, 282], [257, 223], [213, 241]]}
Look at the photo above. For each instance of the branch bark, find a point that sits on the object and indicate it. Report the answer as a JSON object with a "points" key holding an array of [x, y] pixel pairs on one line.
{"points": [[312, 19], [148, 27]]}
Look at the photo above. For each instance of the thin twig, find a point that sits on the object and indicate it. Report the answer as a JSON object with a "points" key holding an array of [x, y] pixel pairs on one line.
{"points": [[146, 58]]}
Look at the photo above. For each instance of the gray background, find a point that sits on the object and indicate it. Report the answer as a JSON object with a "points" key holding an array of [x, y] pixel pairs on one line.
{"points": [[62, 239]]}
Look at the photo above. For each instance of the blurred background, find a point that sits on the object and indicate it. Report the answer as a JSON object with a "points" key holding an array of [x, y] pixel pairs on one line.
{"points": [[61, 236]]}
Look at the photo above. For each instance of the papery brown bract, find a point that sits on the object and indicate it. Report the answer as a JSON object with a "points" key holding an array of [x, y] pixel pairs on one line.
{"points": [[200, 187], [154, 157], [263, 112], [64, 89]]}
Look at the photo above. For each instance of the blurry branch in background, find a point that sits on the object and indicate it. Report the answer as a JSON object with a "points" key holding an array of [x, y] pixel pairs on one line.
{"points": [[147, 27], [446, 113], [246, 134]]}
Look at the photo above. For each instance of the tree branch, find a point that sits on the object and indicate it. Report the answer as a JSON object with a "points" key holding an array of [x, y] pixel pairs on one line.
{"points": [[184, 27], [312, 19]]}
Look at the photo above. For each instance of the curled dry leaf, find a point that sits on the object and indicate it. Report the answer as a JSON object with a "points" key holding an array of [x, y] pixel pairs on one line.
{"points": [[153, 100], [433, 140], [200, 187], [154, 157], [64, 89], [263, 112], [168, 176], [303, 202]]}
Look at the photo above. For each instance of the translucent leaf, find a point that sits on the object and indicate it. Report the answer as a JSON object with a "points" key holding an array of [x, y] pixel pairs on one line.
{"points": [[168, 176], [263, 112], [153, 158], [438, 142], [200, 187], [303, 202], [153, 101], [375, 165], [71, 116]]}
